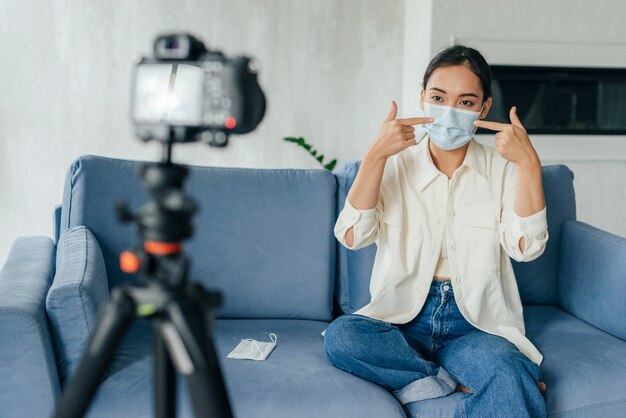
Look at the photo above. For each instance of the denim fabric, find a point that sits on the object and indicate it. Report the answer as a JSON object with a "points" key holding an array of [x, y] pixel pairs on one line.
{"points": [[426, 357]]}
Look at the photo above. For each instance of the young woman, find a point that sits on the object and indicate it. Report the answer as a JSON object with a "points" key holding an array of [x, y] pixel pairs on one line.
{"points": [[446, 213]]}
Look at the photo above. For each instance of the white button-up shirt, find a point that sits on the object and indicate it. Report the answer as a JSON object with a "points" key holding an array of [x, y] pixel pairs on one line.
{"points": [[417, 205]]}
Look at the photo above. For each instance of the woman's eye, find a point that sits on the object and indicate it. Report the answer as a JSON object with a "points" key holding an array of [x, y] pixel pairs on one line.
{"points": [[437, 98], [467, 103]]}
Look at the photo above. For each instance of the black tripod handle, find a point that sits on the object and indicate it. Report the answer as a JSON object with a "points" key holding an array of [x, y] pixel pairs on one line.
{"points": [[111, 327]]}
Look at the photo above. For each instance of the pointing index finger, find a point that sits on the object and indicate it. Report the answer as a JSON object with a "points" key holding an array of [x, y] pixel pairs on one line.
{"points": [[415, 121], [493, 126]]}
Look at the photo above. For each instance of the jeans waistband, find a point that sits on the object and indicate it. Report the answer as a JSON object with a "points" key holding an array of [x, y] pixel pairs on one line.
{"points": [[441, 285]]}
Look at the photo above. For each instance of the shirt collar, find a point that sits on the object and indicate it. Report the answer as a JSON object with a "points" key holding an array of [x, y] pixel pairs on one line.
{"points": [[426, 171]]}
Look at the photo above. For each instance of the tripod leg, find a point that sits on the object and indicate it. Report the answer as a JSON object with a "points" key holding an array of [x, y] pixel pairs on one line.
{"points": [[205, 381], [165, 395], [112, 324]]}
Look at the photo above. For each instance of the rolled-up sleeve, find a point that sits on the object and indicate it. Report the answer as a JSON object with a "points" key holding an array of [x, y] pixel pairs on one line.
{"points": [[366, 223], [534, 228]]}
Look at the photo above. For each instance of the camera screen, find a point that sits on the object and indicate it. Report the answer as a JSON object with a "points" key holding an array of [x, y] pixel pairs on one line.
{"points": [[168, 93]]}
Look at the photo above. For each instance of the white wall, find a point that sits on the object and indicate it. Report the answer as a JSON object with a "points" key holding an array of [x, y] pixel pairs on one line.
{"points": [[329, 69], [557, 32]]}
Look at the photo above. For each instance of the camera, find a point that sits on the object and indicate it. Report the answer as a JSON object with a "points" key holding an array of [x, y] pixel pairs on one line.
{"points": [[188, 93]]}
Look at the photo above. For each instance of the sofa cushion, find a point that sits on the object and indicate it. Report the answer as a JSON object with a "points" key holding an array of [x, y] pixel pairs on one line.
{"points": [[261, 236], [295, 380], [77, 293], [537, 280]]}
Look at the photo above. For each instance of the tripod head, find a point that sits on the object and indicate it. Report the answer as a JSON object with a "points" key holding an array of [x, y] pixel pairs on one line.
{"points": [[184, 93], [162, 224]]}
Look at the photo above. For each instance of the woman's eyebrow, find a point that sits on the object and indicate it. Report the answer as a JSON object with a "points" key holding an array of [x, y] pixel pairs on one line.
{"points": [[460, 95]]}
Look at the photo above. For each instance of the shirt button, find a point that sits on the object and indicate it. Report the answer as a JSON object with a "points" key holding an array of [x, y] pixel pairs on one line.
{"points": [[452, 213], [457, 279], [524, 227], [453, 247]]}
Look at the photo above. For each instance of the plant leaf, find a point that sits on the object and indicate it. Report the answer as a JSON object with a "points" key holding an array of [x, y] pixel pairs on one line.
{"points": [[330, 165]]}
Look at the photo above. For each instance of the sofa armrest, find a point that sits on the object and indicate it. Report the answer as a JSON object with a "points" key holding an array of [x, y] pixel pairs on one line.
{"points": [[30, 383], [592, 276]]}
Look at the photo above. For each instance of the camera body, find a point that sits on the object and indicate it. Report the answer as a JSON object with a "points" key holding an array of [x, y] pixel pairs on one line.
{"points": [[187, 93]]}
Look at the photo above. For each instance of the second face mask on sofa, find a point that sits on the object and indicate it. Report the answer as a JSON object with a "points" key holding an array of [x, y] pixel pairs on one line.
{"points": [[250, 349]]}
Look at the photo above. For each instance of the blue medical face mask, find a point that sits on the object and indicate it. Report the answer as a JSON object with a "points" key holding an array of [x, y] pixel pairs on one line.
{"points": [[452, 127]]}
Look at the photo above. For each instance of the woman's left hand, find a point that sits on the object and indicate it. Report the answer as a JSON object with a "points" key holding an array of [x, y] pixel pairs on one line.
{"points": [[512, 141]]}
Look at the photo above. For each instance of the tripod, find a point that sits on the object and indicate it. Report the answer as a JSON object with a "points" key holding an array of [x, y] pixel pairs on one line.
{"points": [[179, 310]]}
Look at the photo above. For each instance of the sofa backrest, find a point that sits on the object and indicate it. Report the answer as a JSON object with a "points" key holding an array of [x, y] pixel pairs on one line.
{"points": [[263, 237], [536, 280]]}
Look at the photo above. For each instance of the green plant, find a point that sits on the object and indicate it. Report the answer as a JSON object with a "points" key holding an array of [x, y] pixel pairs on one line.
{"points": [[300, 141]]}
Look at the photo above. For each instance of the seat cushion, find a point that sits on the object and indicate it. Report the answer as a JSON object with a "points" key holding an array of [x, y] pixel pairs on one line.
{"points": [[584, 367], [296, 380]]}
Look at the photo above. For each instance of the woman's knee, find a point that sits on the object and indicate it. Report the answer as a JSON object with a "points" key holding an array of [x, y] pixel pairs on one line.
{"points": [[492, 358], [514, 369], [345, 335]]}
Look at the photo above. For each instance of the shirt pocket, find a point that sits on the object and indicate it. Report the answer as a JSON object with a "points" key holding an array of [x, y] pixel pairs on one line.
{"points": [[399, 226], [400, 245], [484, 238]]}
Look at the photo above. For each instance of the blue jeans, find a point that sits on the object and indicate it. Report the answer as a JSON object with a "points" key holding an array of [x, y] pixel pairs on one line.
{"points": [[426, 358]]}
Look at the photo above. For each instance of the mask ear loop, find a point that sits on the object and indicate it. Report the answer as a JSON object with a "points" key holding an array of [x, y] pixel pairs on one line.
{"points": [[479, 112], [255, 344]]}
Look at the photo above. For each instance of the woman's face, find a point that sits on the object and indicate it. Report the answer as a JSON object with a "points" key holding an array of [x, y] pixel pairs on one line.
{"points": [[455, 86]]}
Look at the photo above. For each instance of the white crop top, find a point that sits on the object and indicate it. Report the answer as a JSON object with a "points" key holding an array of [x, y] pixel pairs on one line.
{"points": [[443, 267]]}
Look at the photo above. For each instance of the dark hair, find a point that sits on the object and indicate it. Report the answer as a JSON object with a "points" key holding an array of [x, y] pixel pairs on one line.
{"points": [[462, 55]]}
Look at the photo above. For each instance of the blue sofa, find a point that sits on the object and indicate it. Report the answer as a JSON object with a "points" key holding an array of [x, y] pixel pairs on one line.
{"points": [[264, 238]]}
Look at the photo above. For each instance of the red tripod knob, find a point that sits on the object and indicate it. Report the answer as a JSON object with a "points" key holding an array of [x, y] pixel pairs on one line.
{"points": [[129, 262]]}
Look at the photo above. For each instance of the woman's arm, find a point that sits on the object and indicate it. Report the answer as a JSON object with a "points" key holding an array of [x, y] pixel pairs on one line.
{"points": [[364, 203], [364, 192], [525, 218], [529, 197]]}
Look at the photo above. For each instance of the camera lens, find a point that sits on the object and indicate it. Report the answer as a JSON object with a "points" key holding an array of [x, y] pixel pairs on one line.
{"points": [[171, 43]]}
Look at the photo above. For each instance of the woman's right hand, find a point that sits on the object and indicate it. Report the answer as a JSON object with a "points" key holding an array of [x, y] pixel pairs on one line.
{"points": [[396, 134]]}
